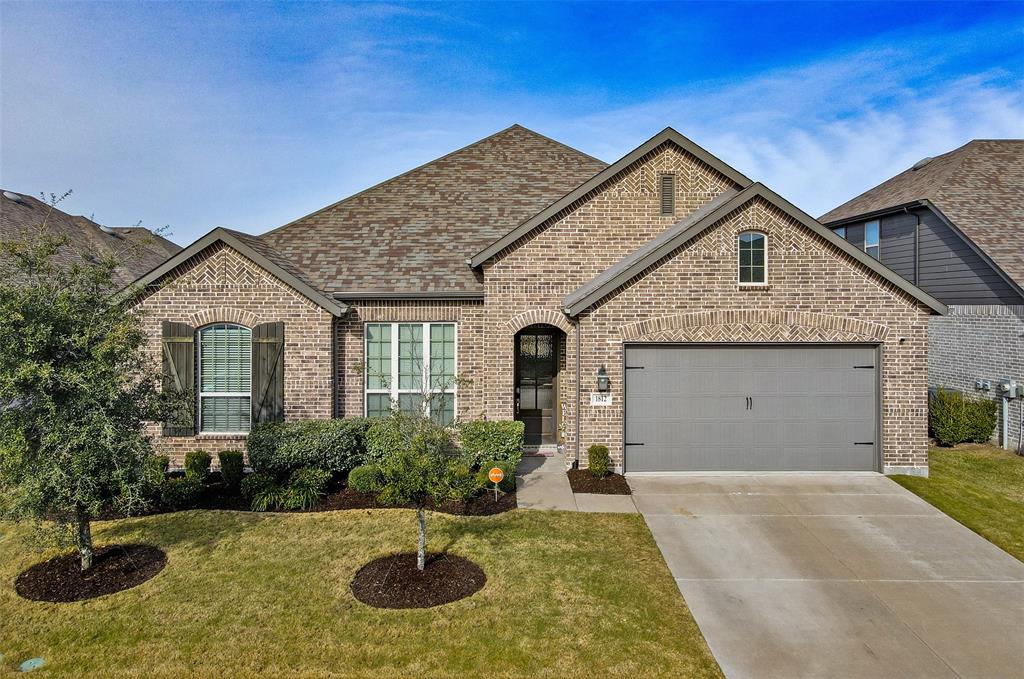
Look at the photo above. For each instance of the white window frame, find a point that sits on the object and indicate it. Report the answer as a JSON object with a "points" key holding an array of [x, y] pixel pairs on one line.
{"points": [[392, 389], [753, 284], [200, 395], [878, 243]]}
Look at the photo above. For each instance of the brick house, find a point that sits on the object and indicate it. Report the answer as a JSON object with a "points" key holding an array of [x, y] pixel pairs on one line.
{"points": [[664, 305], [952, 225]]}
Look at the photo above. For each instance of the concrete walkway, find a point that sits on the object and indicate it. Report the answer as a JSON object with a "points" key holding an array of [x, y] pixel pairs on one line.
{"points": [[541, 483], [835, 576]]}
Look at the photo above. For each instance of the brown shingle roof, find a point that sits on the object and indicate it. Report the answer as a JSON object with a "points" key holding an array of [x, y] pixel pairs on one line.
{"points": [[979, 187], [413, 233], [139, 248]]}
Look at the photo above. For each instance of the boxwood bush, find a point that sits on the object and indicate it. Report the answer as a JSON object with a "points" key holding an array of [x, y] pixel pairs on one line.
{"points": [[197, 464], [281, 448], [955, 418], [598, 461], [365, 479], [492, 440], [231, 467]]}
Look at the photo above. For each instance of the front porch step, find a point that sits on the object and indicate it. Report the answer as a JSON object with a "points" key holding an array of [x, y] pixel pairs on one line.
{"points": [[545, 450]]}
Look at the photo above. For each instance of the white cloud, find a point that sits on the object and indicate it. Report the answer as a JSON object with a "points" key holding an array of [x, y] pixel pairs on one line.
{"points": [[201, 138]]}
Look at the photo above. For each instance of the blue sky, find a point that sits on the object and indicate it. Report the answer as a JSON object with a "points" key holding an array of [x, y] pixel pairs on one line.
{"points": [[250, 115]]}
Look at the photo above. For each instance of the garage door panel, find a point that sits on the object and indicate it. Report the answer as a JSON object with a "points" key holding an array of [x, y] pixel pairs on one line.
{"points": [[808, 406]]}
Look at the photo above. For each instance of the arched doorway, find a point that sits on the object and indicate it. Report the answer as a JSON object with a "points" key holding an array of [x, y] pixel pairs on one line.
{"points": [[539, 355]]}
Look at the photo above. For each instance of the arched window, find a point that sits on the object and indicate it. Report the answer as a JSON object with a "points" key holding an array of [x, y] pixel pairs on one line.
{"points": [[225, 378], [753, 258]]}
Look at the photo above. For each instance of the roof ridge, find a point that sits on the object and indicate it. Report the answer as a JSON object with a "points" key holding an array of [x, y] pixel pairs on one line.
{"points": [[418, 168], [553, 141]]}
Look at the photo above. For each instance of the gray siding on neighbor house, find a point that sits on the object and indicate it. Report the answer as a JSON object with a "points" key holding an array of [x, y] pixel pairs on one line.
{"points": [[896, 246], [948, 267], [979, 343]]}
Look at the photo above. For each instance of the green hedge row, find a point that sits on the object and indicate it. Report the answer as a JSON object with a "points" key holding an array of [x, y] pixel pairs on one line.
{"points": [[490, 440], [281, 448], [337, 446]]}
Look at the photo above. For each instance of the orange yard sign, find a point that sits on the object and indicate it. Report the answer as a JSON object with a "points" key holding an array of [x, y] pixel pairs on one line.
{"points": [[495, 475]]}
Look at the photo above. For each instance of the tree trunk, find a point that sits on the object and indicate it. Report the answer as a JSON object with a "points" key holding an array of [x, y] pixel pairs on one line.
{"points": [[84, 540], [421, 548]]}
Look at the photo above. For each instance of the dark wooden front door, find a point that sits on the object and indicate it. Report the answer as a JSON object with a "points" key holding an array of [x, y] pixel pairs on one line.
{"points": [[537, 385]]}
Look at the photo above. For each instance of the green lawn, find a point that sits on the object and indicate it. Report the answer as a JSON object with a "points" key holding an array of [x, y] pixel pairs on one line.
{"points": [[980, 486], [244, 595]]}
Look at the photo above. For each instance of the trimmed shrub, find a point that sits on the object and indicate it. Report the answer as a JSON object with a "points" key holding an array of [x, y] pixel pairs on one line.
{"points": [[197, 464], [489, 440], [507, 485], [390, 435], [181, 492], [598, 461], [984, 413], [231, 468], [384, 437], [153, 477], [955, 418], [281, 448], [365, 479]]}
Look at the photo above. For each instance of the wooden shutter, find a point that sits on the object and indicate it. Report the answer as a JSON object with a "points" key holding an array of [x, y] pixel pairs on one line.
{"points": [[179, 377], [668, 194], [268, 372]]}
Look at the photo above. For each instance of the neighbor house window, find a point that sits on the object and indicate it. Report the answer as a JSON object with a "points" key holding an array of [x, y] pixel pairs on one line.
{"points": [[411, 366], [871, 238], [225, 373], [840, 231], [752, 264]]}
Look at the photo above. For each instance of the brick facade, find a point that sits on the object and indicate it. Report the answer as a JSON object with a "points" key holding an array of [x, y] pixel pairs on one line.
{"points": [[222, 286], [983, 342], [815, 293]]}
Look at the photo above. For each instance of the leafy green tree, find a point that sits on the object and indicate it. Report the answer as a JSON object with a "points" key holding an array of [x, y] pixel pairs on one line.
{"points": [[425, 467], [75, 387]]}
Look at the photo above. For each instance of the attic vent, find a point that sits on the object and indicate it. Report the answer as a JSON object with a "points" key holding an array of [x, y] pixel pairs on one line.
{"points": [[921, 163], [668, 194], [11, 195]]}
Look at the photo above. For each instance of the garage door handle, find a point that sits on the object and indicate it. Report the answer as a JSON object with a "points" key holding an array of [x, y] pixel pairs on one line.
{"points": [[634, 444], [863, 443]]}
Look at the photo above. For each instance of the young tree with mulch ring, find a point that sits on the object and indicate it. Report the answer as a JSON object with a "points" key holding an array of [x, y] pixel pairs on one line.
{"points": [[425, 468], [75, 388]]}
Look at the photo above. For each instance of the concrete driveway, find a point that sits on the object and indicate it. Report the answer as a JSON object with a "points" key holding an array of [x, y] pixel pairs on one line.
{"points": [[835, 576]]}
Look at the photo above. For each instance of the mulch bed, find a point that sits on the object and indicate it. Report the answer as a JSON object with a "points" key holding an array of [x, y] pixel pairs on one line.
{"points": [[339, 496], [114, 568], [395, 582], [582, 481]]}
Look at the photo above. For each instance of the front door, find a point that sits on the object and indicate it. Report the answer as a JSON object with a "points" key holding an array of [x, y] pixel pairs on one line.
{"points": [[536, 384]]}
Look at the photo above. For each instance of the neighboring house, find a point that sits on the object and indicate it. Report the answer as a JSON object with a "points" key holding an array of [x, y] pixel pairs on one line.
{"points": [[139, 248], [665, 305], [954, 226]]}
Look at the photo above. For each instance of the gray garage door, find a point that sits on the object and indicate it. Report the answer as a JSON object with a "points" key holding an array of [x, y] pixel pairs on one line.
{"points": [[750, 408]]}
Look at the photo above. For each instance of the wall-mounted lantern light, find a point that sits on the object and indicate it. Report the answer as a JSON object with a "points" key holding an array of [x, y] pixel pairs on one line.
{"points": [[602, 379]]}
